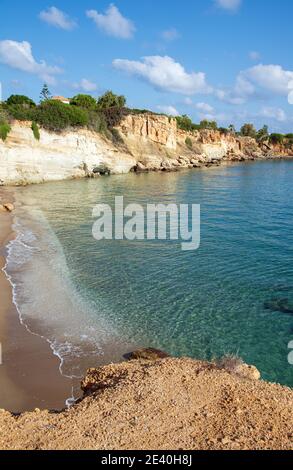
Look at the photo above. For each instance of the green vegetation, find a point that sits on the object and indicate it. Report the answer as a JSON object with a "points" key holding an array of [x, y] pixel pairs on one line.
{"points": [[263, 134], [211, 125], [20, 100], [56, 116], [110, 100], [188, 142], [84, 101], [4, 130], [248, 130], [36, 130], [185, 123], [45, 93], [116, 136], [276, 138]]}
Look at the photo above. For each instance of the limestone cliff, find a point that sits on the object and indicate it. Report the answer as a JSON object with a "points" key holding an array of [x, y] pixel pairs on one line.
{"points": [[147, 142]]}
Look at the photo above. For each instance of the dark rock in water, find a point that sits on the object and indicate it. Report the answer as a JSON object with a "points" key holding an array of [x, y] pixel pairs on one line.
{"points": [[279, 305], [102, 170], [148, 354]]}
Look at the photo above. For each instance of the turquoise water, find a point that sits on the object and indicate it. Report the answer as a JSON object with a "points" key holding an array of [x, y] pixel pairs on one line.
{"points": [[203, 303]]}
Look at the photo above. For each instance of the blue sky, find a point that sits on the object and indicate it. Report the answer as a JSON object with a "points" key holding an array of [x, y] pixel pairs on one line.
{"points": [[229, 60]]}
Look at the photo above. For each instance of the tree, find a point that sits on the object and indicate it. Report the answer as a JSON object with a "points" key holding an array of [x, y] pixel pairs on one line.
{"points": [[205, 124], [276, 138], [20, 100], [84, 101], [110, 100], [232, 129], [262, 134], [45, 93], [248, 130], [184, 122]]}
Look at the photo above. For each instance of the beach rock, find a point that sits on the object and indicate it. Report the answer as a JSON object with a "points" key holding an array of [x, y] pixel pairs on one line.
{"points": [[248, 372], [148, 354], [8, 206], [279, 305]]}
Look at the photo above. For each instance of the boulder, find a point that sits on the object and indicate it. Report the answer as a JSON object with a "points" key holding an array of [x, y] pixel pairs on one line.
{"points": [[147, 354], [248, 372], [7, 207]]}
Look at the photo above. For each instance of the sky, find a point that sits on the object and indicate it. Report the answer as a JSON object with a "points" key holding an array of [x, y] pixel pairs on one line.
{"points": [[224, 60]]}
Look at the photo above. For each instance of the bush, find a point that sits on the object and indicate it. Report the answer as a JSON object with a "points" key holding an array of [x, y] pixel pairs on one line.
{"points": [[188, 142], [110, 100], [84, 101], [20, 100], [224, 130], [113, 116], [4, 130], [97, 122], [18, 111], [276, 138], [185, 123], [36, 131], [57, 116], [211, 125], [116, 136], [230, 362], [248, 130]]}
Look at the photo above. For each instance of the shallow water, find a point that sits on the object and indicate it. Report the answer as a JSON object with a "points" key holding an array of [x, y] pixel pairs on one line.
{"points": [[86, 295]]}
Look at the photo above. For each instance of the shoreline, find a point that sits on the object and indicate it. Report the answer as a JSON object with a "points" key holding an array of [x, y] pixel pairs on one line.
{"points": [[23, 352]]}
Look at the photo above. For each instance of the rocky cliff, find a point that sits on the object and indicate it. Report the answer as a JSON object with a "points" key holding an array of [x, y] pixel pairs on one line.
{"points": [[146, 142], [164, 404]]}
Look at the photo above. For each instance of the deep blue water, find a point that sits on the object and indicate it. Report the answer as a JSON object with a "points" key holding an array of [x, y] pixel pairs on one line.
{"points": [[203, 303]]}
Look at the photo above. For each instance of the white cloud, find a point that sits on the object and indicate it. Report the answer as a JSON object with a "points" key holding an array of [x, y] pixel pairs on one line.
{"points": [[272, 78], [85, 85], [204, 107], [165, 74], [113, 23], [230, 5], [170, 35], [274, 113], [254, 55], [18, 55], [168, 110], [57, 18]]}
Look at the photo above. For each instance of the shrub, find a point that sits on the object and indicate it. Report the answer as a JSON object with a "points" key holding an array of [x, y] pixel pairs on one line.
{"points": [[276, 138], [57, 116], [188, 142], [20, 100], [205, 124], [18, 111], [36, 131], [97, 121], [248, 130], [116, 136], [223, 130], [262, 134], [113, 116], [4, 130], [185, 123], [289, 136], [110, 100], [230, 362], [84, 101]]}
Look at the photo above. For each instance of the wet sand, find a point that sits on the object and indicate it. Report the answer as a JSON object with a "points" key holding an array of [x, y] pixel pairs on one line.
{"points": [[29, 373]]}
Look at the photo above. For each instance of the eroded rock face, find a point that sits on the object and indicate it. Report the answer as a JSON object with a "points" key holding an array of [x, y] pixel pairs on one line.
{"points": [[147, 354]]}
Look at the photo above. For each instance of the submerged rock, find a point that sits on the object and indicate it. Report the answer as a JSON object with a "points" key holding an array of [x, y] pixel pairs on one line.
{"points": [[279, 305]]}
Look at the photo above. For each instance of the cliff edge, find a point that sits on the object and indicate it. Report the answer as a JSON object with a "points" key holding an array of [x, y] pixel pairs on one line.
{"points": [[163, 403]]}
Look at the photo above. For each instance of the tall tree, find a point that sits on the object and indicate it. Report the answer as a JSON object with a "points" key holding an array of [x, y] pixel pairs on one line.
{"points": [[45, 93]]}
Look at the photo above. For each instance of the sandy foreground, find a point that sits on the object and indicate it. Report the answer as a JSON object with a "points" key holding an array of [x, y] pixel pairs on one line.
{"points": [[161, 404], [29, 373]]}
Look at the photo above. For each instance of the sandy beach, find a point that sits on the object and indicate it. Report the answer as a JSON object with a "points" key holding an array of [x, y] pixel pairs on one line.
{"points": [[29, 373]]}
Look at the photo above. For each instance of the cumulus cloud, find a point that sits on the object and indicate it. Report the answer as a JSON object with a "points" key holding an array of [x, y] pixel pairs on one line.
{"points": [[85, 85], [230, 5], [170, 35], [165, 74], [18, 55], [273, 113], [260, 80], [168, 110], [57, 18], [113, 23], [204, 107]]}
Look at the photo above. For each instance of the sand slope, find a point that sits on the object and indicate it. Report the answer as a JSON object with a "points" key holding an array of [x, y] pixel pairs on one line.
{"points": [[163, 404]]}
